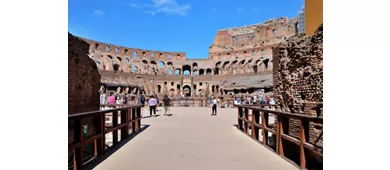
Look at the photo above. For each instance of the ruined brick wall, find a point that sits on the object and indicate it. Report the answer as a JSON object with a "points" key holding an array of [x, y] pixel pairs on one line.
{"points": [[298, 79], [83, 78]]}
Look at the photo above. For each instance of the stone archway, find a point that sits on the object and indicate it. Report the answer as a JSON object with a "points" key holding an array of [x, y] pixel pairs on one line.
{"points": [[187, 90]]}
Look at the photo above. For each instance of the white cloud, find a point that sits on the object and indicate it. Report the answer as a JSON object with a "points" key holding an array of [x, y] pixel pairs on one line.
{"points": [[169, 7], [99, 13], [239, 9]]}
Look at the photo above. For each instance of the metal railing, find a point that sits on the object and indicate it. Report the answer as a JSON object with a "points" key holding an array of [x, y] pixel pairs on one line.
{"points": [[87, 132], [258, 120]]}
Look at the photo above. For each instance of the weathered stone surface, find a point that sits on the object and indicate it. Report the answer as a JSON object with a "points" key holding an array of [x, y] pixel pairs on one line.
{"points": [[83, 78]]}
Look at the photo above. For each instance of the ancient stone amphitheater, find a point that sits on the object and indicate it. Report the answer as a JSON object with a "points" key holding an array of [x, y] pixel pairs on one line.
{"points": [[239, 62]]}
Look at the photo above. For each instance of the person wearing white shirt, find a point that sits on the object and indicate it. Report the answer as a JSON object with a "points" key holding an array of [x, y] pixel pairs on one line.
{"points": [[214, 110]]}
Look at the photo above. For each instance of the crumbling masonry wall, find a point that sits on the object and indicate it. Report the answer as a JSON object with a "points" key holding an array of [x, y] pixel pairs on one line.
{"points": [[298, 79], [83, 78]]}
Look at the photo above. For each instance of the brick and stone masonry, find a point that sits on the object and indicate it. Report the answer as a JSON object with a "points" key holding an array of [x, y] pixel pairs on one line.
{"points": [[83, 78], [298, 79]]}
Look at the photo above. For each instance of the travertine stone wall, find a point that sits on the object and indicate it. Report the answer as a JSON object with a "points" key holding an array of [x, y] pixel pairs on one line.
{"points": [[83, 78]]}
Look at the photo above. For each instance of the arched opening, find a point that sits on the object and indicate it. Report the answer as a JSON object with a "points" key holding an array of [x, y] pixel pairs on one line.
{"points": [[109, 56], [225, 64], [153, 62], [216, 71], [169, 63], [97, 63], [212, 89], [134, 54], [158, 88], [120, 59], [255, 67], [172, 91], [235, 91], [208, 71], [242, 62], [266, 63], [127, 60], [243, 91], [144, 61], [217, 88], [235, 62], [161, 64], [187, 91], [201, 72], [116, 67], [187, 70], [170, 72], [152, 54], [177, 71], [218, 64], [143, 53], [195, 65], [169, 56], [134, 69], [196, 72]]}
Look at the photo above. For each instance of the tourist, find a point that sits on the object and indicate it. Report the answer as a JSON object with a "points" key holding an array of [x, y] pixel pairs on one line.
{"points": [[166, 101], [124, 99], [238, 100], [272, 101], [111, 99], [214, 107], [141, 99], [152, 105], [118, 99], [255, 100]]}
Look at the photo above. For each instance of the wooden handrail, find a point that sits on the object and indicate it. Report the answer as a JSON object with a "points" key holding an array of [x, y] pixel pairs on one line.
{"points": [[130, 116], [281, 131]]}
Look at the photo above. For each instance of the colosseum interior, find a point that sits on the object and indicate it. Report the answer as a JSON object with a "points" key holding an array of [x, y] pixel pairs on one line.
{"points": [[239, 62]]}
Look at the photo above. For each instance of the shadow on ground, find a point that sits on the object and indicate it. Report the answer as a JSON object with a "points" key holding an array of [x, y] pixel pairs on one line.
{"points": [[113, 149]]}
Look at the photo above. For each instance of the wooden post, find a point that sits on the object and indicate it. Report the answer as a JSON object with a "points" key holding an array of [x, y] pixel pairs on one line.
{"points": [[78, 138], [264, 123], [124, 119], [132, 118], [279, 133], [114, 125], [245, 119], [239, 125], [302, 148], [255, 129]]}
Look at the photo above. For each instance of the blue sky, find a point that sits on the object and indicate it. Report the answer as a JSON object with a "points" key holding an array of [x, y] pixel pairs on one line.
{"points": [[169, 25]]}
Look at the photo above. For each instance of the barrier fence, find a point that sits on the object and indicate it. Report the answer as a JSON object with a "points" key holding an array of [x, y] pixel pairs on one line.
{"points": [[254, 119], [88, 131]]}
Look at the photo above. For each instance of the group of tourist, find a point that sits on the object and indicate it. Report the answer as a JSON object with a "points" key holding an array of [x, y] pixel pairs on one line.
{"points": [[112, 98], [259, 98]]}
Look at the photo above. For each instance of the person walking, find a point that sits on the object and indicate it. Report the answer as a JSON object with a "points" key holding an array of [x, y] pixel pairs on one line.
{"points": [[166, 101], [214, 107], [152, 105]]}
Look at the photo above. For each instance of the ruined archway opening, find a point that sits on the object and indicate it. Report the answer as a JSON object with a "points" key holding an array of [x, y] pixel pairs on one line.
{"points": [[225, 64], [170, 72], [120, 59], [187, 70], [255, 69], [242, 62], [196, 72], [178, 71], [243, 91], [187, 91], [266, 63], [158, 88], [144, 61], [161, 64], [116, 67], [134, 54], [216, 71], [235, 91], [201, 72], [153, 62], [195, 65], [134, 69], [208, 71], [235, 62], [212, 89], [218, 64]]}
